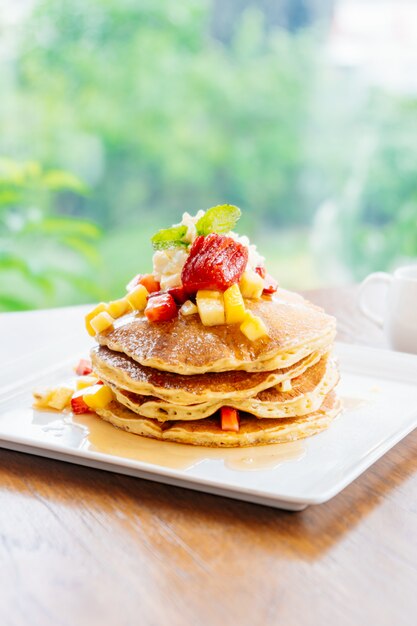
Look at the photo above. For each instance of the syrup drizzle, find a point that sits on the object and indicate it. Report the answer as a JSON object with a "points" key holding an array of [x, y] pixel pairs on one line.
{"points": [[91, 433]]}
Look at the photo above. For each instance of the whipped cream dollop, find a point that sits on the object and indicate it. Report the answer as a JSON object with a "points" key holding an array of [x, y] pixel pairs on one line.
{"points": [[168, 264]]}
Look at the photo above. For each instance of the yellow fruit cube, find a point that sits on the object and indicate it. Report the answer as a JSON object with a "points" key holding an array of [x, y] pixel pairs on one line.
{"points": [[188, 308], [98, 396], [85, 381], [233, 305], [210, 306], [60, 398], [42, 397], [137, 298], [98, 309], [101, 322], [251, 285], [253, 327], [117, 308]]}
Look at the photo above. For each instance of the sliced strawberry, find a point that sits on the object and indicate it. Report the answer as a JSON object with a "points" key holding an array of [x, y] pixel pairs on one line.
{"points": [[179, 294], [259, 269], [147, 280], [229, 418], [78, 406], [214, 262], [161, 308], [270, 285], [83, 368]]}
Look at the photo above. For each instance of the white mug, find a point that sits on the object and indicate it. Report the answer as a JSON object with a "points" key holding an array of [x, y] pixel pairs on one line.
{"points": [[400, 316]]}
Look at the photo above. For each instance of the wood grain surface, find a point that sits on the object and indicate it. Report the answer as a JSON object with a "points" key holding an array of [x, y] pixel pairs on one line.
{"points": [[86, 547]]}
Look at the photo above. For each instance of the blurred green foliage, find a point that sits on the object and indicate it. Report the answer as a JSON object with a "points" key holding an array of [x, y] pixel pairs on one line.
{"points": [[366, 164], [32, 232], [141, 101]]}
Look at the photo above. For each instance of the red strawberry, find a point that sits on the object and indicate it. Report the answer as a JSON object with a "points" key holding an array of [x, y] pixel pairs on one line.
{"points": [[83, 368], [259, 269], [179, 294], [161, 308], [270, 285], [229, 418], [78, 405], [215, 262]]}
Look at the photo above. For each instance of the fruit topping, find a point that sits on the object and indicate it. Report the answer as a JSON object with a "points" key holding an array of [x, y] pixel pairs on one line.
{"points": [[147, 280], [251, 285], [161, 308], [42, 397], [217, 219], [86, 381], [259, 269], [270, 285], [97, 396], [150, 283], [78, 405], [199, 258], [229, 418], [56, 398], [215, 262], [210, 306], [233, 305], [188, 308], [97, 309], [179, 294], [83, 368], [101, 322], [138, 297], [253, 327], [120, 307]]}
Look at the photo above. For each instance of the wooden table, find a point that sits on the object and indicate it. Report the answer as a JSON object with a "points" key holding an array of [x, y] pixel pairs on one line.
{"points": [[85, 547]]}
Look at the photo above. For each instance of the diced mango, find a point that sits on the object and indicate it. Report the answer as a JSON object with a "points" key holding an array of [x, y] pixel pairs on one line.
{"points": [[86, 381], [210, 306], [137, 298], [233, 305], [42, 397], [253, 327], [101, 322], [98, 396], [60, 397], [120, 307], [98, 309], [188, 308], [251, 285]]}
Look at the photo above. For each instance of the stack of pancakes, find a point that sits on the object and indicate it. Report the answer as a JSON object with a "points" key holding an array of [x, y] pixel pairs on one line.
{"points": [[171, 378]]}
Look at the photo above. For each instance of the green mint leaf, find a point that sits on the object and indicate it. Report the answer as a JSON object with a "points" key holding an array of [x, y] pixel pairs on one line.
{"points": [[169, 238], [218, 219]]}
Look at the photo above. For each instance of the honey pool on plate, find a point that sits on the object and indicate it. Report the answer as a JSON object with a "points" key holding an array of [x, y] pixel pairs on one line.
{"points": [[90, 433]]}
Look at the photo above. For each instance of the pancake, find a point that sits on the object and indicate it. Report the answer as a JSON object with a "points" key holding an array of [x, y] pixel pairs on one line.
{"points": [[306, 395], [125, 373], [296, 328], [208, 432]]}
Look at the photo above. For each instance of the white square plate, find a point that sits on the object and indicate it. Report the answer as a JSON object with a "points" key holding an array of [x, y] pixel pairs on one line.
{"points": [[379, 389]]}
